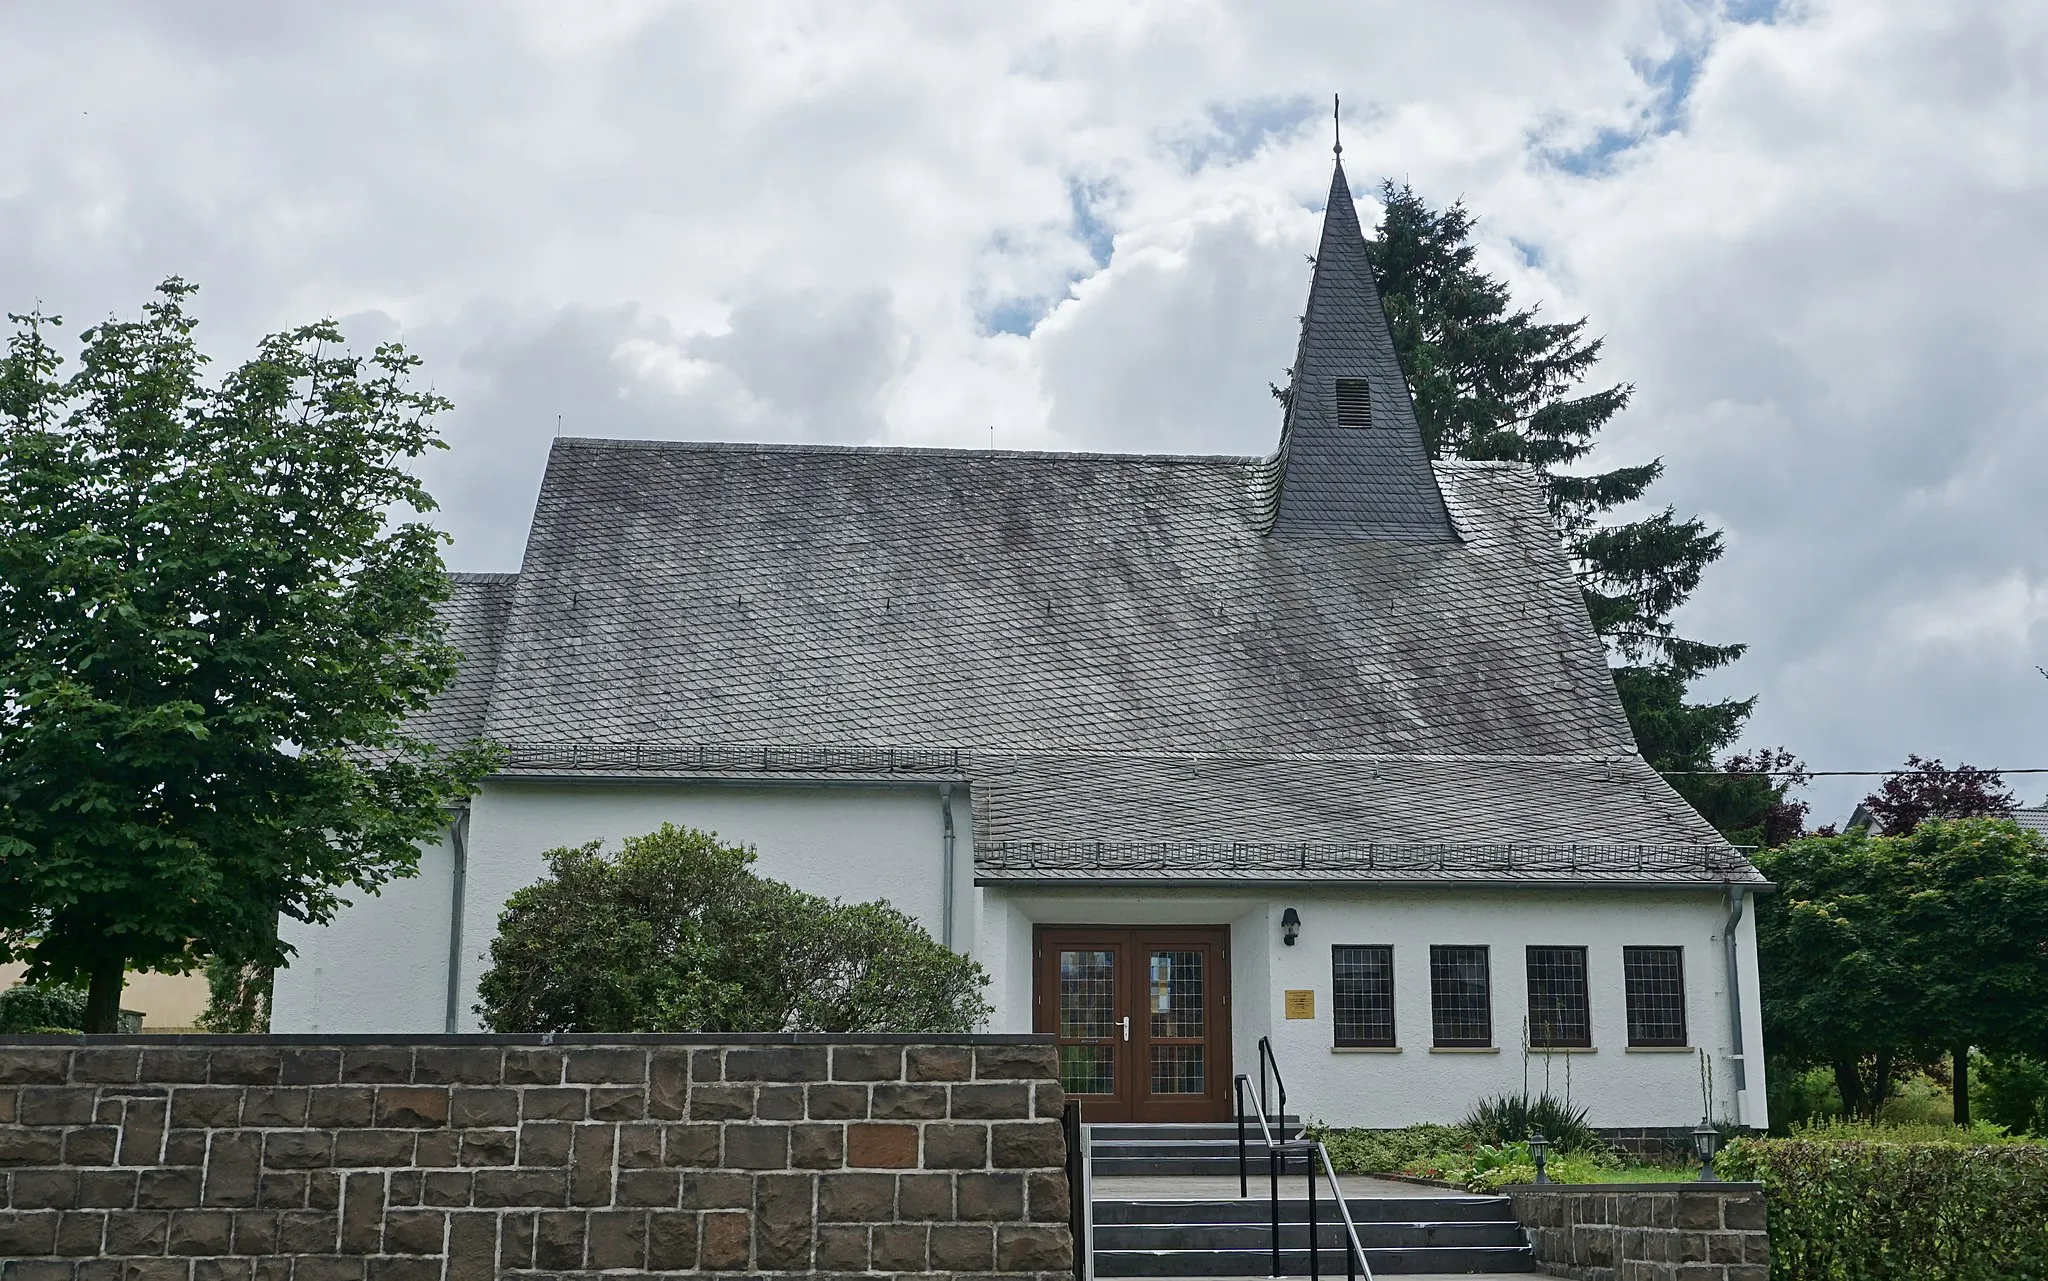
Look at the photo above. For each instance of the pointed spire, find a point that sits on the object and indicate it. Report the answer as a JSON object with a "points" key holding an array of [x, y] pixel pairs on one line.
{"points": [[1351, 462]]}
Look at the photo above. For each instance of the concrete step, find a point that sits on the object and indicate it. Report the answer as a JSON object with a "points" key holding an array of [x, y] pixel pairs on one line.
{"points": [[1295, 1262], [1225, 1164], [1294, 1236], [1122, 1131], [1364, 1209]]}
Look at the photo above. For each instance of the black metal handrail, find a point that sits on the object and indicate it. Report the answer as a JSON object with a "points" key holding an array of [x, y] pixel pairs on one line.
{"points": [[1077, 1188], [1266, 1059], [1315, 1156]]}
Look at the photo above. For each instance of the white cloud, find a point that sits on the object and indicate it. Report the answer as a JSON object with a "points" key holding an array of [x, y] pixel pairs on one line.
{"points": [[1812, 241]]}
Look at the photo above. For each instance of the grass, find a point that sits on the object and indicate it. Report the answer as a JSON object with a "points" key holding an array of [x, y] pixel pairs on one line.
{"points": [[1455, 1154]]}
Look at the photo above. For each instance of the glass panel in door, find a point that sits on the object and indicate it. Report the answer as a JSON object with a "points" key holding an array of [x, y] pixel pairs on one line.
{"points": [[1177, 1021], [1088, 1026]]}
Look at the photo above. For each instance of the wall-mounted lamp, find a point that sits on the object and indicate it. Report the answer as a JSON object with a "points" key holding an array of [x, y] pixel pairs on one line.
{"points": [[1290, 925]]}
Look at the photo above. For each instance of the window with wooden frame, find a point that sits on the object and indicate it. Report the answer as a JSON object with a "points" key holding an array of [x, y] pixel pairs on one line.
{"points": [[1560, 1014], [1460, 997], [1362, 996], [1653, 981]]}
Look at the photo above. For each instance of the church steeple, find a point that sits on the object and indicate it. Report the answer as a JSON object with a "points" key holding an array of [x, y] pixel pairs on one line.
{"points": [[1351, 462]]}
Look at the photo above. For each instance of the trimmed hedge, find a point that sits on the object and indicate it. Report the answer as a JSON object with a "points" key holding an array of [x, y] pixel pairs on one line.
{"points": [[1876, 1211]]}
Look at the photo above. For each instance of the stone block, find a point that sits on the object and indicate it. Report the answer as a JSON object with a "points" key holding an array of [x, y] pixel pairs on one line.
{"points": [[484, 1147], [707, 1065], [657, 1189], [924, 1196], [362, 1213], [203, 1107], [671, 1241], [515, 1187], [606, 1066], [185, 1147], [867, 1063], [175, 1064], [856, 1198], [616, 1239], [1048, 1101], [639, 1146], [558, 1239], [152, 1270], [1744, 1213], [246, 1065], [412, 1107], [415, 1231], [295, 1149], [20, 1147], [308, 1065], [800, 1064], [35, 1064], [80, 1233], [395, 1269], [137, 1232], [323, 1190], [617, 1103], [757, 1147], [876, 1145], [960, 1247], [955, 1146], [273, 1106], [532, 1067], [554, 1103], [307, 1231], [590, 1165], [515, 1241], [1050, 1200], [438, 1149], [900, 1247], [234, 1161], [255, 1232], [200, 1232], [457, 1065], [690, 1145], [404, 1187], [471, 1107], [374, 1147], [1748, 1272], [60, 1105], [991, 1196], [33, 1232], [1025, 1145], [836, 1103], [1699, 1210], [107, 1189], [339, 1106], [725, 1242], [842, 1248], [168, 1189], [938, 1063], [472, 1245], [721, 1102], [668, 1091], [779, 1103], [376, 1064], [716, 1190], [106, 1064], [1016, 1063], [45, 1189], [545, 1142], [817, 1147], [914, 1102], [783, 1221], [1033, 1248], [91, 1144], [330, 1267], [38, 1270]]}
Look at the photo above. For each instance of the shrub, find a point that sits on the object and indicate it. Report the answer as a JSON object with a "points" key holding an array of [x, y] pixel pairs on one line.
{"points": [[1387, 1151], [42, 1008], [1861, 1210], [1511, 1118], [2012, 1089], [676, 933]]}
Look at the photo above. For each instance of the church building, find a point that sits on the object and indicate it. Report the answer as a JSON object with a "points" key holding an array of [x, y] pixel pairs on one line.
{"points": [[1187, 751]]}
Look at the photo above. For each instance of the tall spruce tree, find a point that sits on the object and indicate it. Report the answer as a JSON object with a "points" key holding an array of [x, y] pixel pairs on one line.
{"points": [[1493, 383]]}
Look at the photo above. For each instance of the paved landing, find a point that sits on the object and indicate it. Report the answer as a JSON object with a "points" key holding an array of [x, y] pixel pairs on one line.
{"points": [[1221, 1187]]}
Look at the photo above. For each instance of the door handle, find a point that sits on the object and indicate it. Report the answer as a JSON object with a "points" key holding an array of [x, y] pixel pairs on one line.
{"points": [[1127, 1027]]}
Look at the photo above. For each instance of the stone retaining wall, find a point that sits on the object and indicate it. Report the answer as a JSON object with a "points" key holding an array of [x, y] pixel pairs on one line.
{"points": [[468, 1158], [1647, 1231]]}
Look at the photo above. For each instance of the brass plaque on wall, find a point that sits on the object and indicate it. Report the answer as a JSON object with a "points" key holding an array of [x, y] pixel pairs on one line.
{"points": [[1301, 1003]]}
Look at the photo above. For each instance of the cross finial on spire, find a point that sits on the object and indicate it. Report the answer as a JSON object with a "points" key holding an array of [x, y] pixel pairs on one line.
{"points": [[1337, 124]]}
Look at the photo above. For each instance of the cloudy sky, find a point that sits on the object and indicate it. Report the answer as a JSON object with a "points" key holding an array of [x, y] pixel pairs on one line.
{"points": [[1815, 235]]}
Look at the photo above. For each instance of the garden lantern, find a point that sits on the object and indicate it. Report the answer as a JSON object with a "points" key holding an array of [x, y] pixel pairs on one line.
{"points": [[1538, 1146], [1705, 1140]]}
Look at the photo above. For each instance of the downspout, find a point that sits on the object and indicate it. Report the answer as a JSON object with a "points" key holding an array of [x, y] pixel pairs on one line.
{"points": [[1735, 903], [946, 875], [458, 840]]}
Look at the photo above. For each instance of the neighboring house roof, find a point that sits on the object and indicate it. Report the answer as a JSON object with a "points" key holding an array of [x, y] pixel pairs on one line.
{"points": [[1340, 662], [2034, 820]]}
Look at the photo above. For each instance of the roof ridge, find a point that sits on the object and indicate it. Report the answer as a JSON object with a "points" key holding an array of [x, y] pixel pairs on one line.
{"points": [[786, 447]]}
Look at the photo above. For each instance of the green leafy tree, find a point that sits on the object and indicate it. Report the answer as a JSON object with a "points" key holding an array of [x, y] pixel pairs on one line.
{"points": [[42, 1007], [676, 933], [1881, 950], [1493, 382], [212, 628]]}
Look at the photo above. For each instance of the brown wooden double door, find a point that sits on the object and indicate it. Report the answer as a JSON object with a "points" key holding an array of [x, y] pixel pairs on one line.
{"points": [[1142, 1017]]}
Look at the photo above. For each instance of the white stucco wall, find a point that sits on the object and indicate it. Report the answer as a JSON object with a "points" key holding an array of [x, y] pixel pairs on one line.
{"points": [[381, 966], [1620, 1086]]}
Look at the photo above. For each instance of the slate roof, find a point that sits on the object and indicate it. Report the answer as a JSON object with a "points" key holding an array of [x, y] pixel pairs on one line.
{"points": [[2034, 820], [1339, 663]]}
